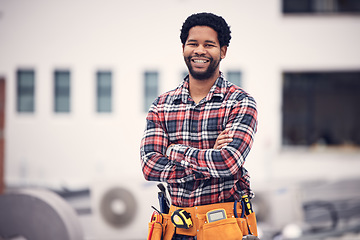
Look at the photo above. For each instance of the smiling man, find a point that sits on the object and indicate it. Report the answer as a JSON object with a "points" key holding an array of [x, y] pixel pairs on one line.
{"points": [[198, 136], [202, 52]]}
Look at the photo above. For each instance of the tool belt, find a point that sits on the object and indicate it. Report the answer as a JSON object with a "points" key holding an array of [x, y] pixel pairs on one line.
{"points": [[207, 222]]}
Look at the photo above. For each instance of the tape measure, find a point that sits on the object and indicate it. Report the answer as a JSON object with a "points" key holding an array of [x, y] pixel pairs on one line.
{"points": [[181, 219]]}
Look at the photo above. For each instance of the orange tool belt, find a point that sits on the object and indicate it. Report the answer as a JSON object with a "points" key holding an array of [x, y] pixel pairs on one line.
{"points": [[230, 228]]}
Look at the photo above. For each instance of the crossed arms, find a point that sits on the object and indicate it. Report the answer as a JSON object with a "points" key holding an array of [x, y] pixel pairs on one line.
{"points": [[186, 163]]}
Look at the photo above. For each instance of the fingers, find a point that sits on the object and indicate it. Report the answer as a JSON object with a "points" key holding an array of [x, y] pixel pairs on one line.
{"points": [[223, 139], [221, 146]]}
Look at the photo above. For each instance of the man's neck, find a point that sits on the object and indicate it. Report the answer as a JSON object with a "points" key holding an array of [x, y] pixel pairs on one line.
{"points": [[200, 88]]}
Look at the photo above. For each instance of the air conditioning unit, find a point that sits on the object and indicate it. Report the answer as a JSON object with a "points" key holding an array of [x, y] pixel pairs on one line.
{"points": [[278, 205], [121, 208]]}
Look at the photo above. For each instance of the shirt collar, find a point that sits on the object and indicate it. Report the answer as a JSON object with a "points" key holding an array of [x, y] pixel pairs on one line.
{"points": [[217, 90]]}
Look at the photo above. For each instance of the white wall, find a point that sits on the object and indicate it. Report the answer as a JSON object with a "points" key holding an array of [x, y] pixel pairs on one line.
{"points": [[129, 37]]}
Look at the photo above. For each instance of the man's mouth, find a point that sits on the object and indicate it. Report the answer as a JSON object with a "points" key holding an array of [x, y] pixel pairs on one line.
{"points": [[200, 60]]}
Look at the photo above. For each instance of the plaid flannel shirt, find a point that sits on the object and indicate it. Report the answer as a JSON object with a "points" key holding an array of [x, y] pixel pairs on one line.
{"points": [[196, 173]]}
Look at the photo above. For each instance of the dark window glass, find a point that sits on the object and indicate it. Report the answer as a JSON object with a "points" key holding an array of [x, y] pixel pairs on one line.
{"points": [[234, 77], [62, 91], [104, 91], [151, 88], [296, 6], [25, 90], [321, 108], [321, 6]]}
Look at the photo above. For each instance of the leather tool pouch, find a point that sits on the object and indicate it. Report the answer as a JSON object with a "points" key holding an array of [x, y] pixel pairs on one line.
{"points": [[242, 225], [161, 231], [155, 231], [223, 229], [230, 228]]}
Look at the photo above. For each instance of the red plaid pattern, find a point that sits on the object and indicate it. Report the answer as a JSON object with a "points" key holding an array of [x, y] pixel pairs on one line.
{"points": [[196, 173]]}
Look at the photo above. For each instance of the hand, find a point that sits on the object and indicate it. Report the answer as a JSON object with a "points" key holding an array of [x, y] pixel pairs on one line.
{"points": [[167, 153], [223, 139]]}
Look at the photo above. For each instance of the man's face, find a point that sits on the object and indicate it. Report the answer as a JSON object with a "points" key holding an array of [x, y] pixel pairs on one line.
{"points": [[202, 52]]}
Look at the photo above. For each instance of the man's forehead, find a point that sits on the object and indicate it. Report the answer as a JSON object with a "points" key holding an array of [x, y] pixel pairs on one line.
{"points": [[202, 33]]}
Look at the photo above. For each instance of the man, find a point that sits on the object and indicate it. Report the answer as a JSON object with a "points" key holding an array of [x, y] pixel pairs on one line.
{"points": [[198, 135]]}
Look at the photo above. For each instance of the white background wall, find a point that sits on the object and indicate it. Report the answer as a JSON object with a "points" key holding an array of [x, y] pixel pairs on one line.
{"points": [[130, 37]]}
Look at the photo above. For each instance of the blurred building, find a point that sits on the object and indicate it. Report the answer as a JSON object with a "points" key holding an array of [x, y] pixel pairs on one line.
{"points": [[80, 76]]}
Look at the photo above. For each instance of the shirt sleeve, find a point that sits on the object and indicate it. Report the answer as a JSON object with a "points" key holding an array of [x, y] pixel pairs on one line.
{"points": [[155, 165], [227, 161]]}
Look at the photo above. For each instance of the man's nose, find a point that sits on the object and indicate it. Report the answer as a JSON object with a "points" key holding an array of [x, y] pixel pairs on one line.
{"points": [[200, 50]]}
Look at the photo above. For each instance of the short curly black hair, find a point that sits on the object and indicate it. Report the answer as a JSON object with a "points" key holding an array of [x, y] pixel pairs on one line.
{"points": [[207, 19]]}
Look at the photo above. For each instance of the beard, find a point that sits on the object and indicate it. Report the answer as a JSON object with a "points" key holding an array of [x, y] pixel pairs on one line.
{"points": [[202, 75]]}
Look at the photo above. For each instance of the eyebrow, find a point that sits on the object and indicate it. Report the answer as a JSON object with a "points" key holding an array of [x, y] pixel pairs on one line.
{"points": [[207, 41]]}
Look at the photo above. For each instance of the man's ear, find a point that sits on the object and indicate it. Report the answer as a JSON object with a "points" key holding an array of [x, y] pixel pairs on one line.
{"points": [[223, 51]]}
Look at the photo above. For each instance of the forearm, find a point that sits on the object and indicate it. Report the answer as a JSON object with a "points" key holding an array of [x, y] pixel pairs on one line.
{"points": [[217, 163], [229, 159], [155, 165]]}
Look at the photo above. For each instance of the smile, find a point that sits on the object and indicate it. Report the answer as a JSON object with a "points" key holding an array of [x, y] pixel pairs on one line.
{"points": [[200, 60]]}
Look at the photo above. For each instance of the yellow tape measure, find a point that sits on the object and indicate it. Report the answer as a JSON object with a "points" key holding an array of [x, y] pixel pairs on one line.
{"points": [[181, 219]]}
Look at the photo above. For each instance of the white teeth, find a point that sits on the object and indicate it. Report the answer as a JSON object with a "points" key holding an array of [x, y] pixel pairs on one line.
{"points": [[200, 61]]}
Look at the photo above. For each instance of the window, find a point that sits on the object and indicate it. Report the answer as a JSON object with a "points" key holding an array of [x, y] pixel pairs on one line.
{"points": [[104, 91], [62, 91], [25, 91], [234, 77], [321, 108], [151, 88], [321, 6]]}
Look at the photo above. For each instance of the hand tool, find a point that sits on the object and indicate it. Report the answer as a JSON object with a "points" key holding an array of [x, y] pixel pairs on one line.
{"points": [[250, 215], [216, 215], [248, 205], [181, 219], [163, 200], [235, 209]]}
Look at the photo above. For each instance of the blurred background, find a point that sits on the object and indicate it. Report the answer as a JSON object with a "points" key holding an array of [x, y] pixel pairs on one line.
{"points": [[77, 79]]}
